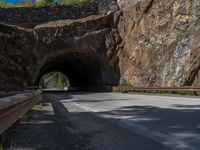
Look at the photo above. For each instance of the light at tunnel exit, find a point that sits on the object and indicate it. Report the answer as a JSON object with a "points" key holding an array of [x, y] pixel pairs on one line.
{"points": [[54, 80]]}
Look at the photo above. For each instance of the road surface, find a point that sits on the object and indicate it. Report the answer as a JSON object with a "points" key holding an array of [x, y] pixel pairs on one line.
{"points": [[114, 121]]}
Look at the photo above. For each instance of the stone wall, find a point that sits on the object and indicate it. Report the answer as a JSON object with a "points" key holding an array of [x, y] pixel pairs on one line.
{"points": [[16, 57], [145, 43], [73, 47], [36, 40], [160, 42], [31, 16]]}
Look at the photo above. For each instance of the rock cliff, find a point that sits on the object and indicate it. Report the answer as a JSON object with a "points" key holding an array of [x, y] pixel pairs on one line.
{"points": [[74, 47], [160, 42], [137, 42]]}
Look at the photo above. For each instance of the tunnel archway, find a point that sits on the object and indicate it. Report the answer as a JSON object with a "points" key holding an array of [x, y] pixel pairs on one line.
{"points": [[83, 70], [54, 81]]}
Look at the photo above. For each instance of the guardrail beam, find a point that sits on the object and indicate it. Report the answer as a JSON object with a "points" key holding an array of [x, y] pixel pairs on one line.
{"points": [[12, 108]]}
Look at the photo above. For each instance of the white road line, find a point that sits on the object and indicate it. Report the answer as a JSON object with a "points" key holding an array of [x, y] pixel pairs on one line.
{"points": [[166, 140], [84, 108]]}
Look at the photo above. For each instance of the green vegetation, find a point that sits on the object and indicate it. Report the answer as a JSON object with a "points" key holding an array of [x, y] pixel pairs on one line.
{"points": [[76, 1], [37, 107], [124, 84], [62, 81], [4, 4], [54, 80], [1, 146], [27, 117]]}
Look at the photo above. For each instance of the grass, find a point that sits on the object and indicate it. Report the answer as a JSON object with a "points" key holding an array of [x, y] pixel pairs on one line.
{"points": [[27, 116], [12, 131], [1, 146], [38, 4], [37, 107], [124, 84], [76, 1]]}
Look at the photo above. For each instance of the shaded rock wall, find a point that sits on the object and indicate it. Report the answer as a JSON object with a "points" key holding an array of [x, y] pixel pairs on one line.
{"points": [[73, 47], [31, 16], [69, 39], [16, 57], [144, 43], [71, 44], [160, 42]]}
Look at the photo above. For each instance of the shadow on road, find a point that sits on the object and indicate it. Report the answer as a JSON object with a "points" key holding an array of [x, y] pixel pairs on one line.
{"points": [[54, 127], [50, 129]]}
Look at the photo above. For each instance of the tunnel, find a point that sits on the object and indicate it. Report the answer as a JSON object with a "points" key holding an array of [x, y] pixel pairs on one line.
{"points": [[85, 71]]}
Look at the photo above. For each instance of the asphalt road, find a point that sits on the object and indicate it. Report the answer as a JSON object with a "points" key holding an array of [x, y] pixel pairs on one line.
{"points": [[112, 121], [171, 121]]}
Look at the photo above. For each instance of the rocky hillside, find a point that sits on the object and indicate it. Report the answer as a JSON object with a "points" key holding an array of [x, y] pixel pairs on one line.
{"points": [[31, 16], [139, 42], [72, 45], [160, 42]]}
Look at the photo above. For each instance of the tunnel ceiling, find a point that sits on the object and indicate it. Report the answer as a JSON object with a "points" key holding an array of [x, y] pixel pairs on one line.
{"points": [[82, 69]]}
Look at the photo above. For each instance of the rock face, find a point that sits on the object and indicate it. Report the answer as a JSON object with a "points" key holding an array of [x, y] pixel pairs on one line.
{"points": [[73, 47], [73, 44], [16, 55], [137, 42], [30, 16], [160, 42]]}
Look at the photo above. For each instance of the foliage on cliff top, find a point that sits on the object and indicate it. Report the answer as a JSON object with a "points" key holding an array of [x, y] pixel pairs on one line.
{"points": [[4, 4]]}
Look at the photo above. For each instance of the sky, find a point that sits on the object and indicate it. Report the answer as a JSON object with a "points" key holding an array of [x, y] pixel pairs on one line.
{"points": [[14, 1]]}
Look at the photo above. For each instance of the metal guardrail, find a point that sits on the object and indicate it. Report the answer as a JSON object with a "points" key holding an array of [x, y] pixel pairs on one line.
{"points": [[157, 89], [14, 107]]}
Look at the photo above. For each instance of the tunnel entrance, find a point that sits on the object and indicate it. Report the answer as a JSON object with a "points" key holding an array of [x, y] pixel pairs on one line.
{"points": [[83, 70], [54, 81]]}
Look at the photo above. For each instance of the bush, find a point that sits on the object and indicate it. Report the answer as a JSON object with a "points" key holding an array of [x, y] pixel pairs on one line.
{"points": [[76, 1], [124, 84]]}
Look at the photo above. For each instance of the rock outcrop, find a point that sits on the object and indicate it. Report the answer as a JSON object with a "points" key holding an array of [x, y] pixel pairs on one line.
{"points": [[160, 42], [75, 47], [137, 42], [31, 16]]}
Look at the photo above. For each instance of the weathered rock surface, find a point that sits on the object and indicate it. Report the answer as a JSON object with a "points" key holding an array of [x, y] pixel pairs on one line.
{"points": [[16, 57], [160, 42], [74, 47], [141, 42], [32, 16], [69, 39]]}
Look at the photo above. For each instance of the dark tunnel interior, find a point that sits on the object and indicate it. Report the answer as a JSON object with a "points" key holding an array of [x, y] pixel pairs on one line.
{"points": [[81, 69]]}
